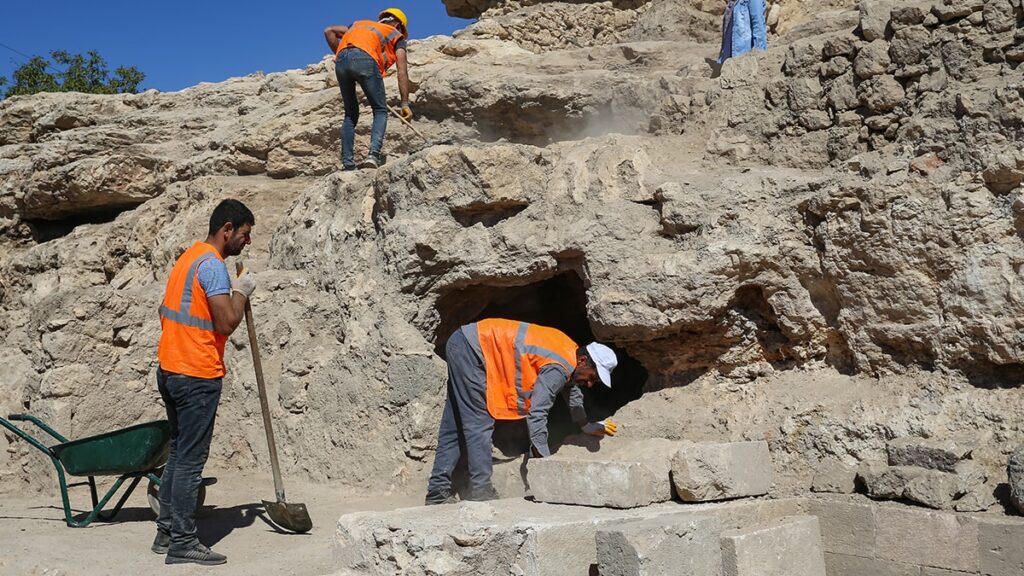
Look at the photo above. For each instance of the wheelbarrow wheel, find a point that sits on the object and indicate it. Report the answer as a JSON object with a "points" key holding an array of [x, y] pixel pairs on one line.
{"points": [[153, 495]]}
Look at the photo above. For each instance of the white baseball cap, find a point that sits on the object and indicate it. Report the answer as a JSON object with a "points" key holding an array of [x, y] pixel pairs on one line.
{"points": [[604, 360]]}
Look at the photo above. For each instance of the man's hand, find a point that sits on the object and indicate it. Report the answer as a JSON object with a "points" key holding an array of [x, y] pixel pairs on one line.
{"points": [[603, 428], [406, 111], [245, 284]]}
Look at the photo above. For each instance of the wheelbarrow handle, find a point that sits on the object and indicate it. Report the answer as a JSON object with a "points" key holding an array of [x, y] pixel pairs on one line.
{"points": [[16, 417]]}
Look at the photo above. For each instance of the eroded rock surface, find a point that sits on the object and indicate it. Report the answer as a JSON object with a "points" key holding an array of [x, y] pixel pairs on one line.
{"points": [[819, 247]]}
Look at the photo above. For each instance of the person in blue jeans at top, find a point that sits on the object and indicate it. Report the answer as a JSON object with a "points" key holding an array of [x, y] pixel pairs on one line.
{"points": [[743, 28], [363, 52]]}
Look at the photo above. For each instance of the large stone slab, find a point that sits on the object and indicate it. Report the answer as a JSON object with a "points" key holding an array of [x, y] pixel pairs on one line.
{"points": [[847, 527], [789, 546], [1000, 549], [510, 536], [719, 471], [934, 539], [681, 545], [850, 565], [619, 475]]}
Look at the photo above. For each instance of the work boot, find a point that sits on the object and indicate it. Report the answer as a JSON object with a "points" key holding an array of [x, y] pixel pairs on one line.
{"points": [[161, 543], [199, 554], [373, 161], [440, 497], [485, 493]]}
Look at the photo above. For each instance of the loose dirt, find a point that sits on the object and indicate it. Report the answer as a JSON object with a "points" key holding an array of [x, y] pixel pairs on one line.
{"points": [[35, 541]]}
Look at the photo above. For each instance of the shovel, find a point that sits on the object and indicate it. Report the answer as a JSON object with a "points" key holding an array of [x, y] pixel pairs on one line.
{"points": [[426, 143], [290, 516]]}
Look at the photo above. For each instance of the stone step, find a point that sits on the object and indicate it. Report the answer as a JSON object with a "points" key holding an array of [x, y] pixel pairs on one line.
{"points": [[789, 546], [680, 544]]}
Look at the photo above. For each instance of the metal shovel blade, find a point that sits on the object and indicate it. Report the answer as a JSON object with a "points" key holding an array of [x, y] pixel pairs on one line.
{"points": [[292, 517]]}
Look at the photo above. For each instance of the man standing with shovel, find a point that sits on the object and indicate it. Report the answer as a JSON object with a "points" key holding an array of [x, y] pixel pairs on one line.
{"points": [[363, 52], [201, 308]]}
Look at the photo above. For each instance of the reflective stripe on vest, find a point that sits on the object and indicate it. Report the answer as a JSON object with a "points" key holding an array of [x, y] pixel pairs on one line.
{"points": [[522, 348], [181, 315], [384, 40]]}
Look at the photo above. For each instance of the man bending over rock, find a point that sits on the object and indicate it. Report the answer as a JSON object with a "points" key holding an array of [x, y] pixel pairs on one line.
{"points": [[509, 370], [200, 310], [362, 54]]}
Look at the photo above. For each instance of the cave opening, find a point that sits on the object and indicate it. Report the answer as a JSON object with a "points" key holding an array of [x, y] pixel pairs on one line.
{"points": [[559, 302], [44, 230]]}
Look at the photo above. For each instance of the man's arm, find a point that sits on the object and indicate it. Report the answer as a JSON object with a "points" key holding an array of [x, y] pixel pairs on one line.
{"points": [[228, 311], [333, 35], [402, 63], [575, 401], [549, 384]]}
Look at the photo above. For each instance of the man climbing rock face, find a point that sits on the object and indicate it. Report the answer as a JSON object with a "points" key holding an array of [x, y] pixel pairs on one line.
{"points": [[363, 52], [509, 370], [202, 306]]}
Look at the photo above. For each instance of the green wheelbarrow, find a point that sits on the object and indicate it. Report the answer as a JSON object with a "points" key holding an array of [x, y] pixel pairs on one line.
{"points": [[131, 453]]}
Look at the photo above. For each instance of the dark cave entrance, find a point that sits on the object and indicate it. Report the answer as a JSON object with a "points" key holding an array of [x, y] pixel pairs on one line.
{"points": [[559, 302]]}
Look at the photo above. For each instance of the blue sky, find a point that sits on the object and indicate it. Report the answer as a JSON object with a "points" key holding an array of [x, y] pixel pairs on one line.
{"points": [[178, 43]]}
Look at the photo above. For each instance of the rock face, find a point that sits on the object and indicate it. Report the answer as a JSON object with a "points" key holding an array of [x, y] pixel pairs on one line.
{"points": [[819, 249]]}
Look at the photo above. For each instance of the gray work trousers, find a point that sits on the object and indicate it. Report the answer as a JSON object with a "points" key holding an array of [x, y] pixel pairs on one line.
{"points": [[466, 422]]}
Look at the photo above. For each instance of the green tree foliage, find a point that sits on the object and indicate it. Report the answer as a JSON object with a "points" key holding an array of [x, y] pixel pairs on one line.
{"points": [[72, 73]]}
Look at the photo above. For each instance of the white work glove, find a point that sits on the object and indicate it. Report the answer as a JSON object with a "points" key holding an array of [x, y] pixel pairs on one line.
{"points": [[603, 428], [244, 284]]}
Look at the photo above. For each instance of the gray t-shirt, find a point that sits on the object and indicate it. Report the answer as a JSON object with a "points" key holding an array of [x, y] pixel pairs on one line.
{"points": [[551, 381]]}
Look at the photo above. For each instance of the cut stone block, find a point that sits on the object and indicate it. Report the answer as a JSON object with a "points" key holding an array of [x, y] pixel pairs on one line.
{"points": [[849, 565], [929, 453], [706, 472], [788, 546], [625, 475], [934, 539], [835, 477], [999, 547], [846, 527], [681, 545]]}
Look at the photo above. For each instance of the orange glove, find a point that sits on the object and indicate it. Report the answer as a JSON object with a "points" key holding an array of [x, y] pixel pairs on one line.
{"points": [[603, 428], [406, 111]]}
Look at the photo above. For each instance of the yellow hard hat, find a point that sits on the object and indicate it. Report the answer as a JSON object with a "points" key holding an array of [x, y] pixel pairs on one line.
{"points": [[397, 14]]}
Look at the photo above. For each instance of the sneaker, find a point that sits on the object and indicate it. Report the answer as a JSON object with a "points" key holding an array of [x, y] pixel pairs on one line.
{"points": [[348, 167], [372, 161], [161, 543], [440, 497], [199, 554], [481, 494]]}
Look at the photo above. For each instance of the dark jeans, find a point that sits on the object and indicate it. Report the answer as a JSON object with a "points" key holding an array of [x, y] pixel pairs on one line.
{"points": [[357, 67], [466, 422], [191, 408]]}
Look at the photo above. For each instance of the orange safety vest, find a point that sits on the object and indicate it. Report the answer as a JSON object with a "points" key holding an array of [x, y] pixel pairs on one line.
{"points": [[376, 39], [188, 343], [514, 352]]}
